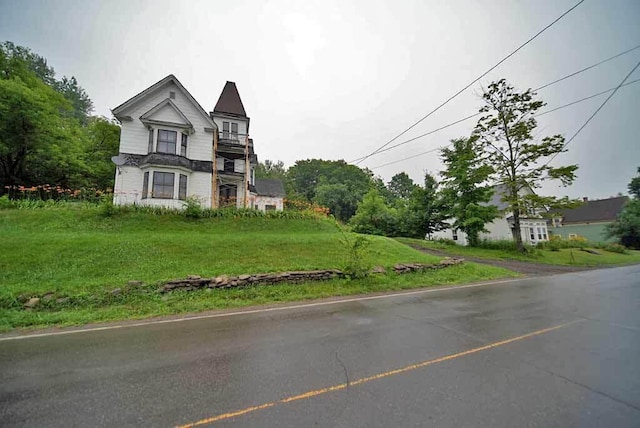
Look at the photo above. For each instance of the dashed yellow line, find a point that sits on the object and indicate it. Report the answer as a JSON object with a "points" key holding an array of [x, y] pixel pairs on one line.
{"points": [[314, 393]]}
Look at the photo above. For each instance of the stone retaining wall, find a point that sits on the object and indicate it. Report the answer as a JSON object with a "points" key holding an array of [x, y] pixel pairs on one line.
{"points": [[195, 282]]}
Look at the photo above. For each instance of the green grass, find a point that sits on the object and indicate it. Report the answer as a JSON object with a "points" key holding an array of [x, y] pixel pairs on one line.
{"points": [[75, 252], [565, 256]]}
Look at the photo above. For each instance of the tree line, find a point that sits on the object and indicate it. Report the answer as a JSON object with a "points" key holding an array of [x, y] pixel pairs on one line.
{"points": [[501, 152], [48, 134]]}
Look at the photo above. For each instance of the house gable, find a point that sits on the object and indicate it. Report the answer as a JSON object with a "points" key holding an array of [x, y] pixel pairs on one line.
{"points": [[166, 113], [169, 84]]}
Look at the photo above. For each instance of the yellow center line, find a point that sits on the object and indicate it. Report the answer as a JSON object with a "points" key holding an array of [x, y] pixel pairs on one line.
{"points": [[314, 393]]}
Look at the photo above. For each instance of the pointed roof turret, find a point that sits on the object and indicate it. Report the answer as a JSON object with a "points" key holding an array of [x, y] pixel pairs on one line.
{"points": [[229, 101]]}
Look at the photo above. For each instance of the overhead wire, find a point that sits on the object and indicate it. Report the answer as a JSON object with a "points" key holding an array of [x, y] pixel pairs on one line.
{"points": [[594, 113], [472, 82], [575, 73], [536, 115]]}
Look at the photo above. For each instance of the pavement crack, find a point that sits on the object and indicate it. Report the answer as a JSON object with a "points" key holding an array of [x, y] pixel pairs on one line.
{"points": [[346, 372]]}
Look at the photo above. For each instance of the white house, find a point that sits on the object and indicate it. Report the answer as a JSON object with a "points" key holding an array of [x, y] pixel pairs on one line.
{"points": [[270, 194], [171, 149], [533, 228]]}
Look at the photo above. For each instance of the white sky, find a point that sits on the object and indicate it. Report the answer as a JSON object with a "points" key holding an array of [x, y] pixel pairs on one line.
{"points": [[335, 79]]}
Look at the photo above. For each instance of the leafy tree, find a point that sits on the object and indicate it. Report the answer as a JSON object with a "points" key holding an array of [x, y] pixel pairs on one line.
{"points": [[401, 186], [334, 184], [79, 99], [634, 186], [373, 216], [627, 226], [465, 187], [271, 169], [506, 133], [424, 213], [104, 142], [37, 144]]}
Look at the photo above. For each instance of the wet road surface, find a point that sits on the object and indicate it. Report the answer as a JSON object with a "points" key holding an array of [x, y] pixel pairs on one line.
{"points": [[548, 351]]}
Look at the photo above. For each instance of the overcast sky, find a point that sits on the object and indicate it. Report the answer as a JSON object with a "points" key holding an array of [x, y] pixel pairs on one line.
{"points": [[336, 79]]}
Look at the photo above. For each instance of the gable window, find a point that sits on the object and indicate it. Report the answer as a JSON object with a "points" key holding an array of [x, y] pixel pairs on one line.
{"points": [[225, 130], [234, 131], [150, 147], [163, 185], [182, 189], [145, 185], [183, 145], [166, 141]]}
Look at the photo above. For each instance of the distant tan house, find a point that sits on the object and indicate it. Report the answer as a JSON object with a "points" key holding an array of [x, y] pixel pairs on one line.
{"points": [[589, 220]]}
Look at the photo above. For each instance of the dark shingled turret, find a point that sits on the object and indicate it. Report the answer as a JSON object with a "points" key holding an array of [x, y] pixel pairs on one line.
{"points": [[230, 102]]}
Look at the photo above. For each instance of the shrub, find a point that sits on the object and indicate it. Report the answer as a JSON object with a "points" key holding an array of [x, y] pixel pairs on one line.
{"points": [[446, 241], [192, 208], [6, 203], [107, 209], [615, 248]]}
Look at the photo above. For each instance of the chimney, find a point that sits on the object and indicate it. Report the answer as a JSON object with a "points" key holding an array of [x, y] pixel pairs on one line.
{"points": [[585, 199]]}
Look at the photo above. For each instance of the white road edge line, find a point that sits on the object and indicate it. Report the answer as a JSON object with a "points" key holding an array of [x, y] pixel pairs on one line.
{"points": [[263, 310]]}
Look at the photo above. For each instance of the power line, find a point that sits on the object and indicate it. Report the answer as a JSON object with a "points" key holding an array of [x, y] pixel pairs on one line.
{"points": [[595, 112], [471, 83], [587, 68], [536, 115], [587, 98], [477, 114]]}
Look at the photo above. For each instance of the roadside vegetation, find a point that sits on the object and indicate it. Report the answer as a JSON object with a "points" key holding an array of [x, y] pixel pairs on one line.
{"points": [[578, 253], [80, 254]]}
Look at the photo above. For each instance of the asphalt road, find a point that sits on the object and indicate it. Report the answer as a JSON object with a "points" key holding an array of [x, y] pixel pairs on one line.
{"points": [[548, 351]]}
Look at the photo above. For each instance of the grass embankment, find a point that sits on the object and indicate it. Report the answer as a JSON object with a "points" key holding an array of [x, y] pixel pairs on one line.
{"points": [[564, 256], [74, 252]]}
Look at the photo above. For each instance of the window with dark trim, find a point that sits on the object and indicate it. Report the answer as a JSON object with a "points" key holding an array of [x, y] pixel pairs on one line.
{"points": [[150, 147], [454, 234], [269, 207], [183, 146], [225, 129], [145, 185], [166, 141], [182, 188], [163, 185]]}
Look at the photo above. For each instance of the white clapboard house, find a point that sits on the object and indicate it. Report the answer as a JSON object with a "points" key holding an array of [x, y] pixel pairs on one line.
{"points": [[171, 149]]}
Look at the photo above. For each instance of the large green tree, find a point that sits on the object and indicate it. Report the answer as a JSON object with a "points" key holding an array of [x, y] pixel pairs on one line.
{"points": [[626, 228], [465, 187], [334, 184], [506, 131], [425, 211], [373, 216], [401, 186], [47, 135]]}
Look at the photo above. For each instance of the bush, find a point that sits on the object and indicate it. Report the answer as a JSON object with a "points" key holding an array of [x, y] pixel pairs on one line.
{"points": [[192, 208], [446, 241], [6, 203], [615, 248]]}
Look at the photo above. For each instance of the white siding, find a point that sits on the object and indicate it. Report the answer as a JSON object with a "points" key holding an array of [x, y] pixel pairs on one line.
{"points": [[128, 187], [262, 201], [134, 136]]}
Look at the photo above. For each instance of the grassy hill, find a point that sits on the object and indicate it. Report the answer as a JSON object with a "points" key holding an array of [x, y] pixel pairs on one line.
{"points": [[74, 251]]}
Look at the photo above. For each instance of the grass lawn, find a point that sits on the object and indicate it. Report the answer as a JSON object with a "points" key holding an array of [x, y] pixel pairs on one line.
{"points": [[565, 256], [74, 252]]}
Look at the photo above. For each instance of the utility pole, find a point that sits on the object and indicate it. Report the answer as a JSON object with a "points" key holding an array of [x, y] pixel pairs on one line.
{"points": [[214, 176]]}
